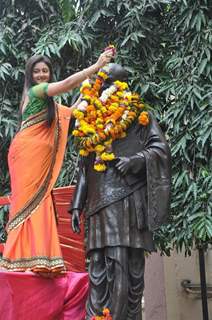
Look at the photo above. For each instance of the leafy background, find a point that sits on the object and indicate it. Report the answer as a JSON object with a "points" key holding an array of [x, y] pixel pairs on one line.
{"points": [[166, 47]]}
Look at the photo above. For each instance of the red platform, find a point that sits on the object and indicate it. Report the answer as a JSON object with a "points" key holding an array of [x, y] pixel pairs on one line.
{"points": [[72, 244], [26, 296]]}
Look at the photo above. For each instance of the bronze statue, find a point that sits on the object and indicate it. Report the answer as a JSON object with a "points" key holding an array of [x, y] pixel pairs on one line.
{"points": [[123, 206]]}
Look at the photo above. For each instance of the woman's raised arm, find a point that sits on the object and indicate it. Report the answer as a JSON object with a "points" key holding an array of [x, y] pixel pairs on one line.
{"points": [[74, 80]]}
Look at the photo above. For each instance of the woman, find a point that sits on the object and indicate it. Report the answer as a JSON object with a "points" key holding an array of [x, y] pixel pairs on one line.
{"points": [[35, 158]]}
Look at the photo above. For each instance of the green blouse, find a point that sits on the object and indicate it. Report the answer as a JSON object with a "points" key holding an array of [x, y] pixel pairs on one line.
{"points": [[37, 100]]}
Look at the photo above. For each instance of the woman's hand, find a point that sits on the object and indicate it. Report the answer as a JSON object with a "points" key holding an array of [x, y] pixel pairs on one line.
{"points": [[105, 58], [76, 103], [73, 81]]}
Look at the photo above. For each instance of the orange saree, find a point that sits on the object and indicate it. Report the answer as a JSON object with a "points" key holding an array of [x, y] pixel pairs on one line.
{"points": [[35, 158]]}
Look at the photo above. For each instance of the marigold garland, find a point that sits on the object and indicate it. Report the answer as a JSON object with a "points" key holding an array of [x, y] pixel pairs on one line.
{"points": [[105, 315], [104, 117]]}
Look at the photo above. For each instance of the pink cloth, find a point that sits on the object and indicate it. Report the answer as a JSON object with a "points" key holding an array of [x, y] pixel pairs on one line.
{"points": [[26, 296]]}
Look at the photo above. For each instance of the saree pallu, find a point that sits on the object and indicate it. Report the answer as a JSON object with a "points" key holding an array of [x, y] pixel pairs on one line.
{"points": [[35, 159]]}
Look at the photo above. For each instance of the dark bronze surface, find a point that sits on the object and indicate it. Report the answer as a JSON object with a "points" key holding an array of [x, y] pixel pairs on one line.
{"points": [[123, 205]]}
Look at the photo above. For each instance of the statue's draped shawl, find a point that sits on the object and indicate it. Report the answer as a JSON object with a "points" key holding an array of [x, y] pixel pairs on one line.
{"points": [[103, 188]]}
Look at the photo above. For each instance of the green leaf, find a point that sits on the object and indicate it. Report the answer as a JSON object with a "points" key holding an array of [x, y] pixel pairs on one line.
{"points": [[202, 65]]}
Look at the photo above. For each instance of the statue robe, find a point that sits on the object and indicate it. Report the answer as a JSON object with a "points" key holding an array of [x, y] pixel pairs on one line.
{"points": [[123, 211]]}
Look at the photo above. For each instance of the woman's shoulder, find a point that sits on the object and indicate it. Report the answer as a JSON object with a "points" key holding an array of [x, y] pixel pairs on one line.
{"points": [[39, 90]]}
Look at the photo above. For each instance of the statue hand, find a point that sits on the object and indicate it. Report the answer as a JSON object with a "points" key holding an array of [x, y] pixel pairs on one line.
{"points": [[75, 220], [123, 165], [134, 163]]}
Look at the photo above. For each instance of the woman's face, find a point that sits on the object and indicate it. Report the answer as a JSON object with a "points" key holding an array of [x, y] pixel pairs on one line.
{"points": [[40, 73]]}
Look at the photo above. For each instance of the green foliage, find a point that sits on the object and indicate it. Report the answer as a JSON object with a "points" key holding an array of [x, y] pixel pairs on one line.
{"points": [[3, 220], [187, 89], [73, 33]]}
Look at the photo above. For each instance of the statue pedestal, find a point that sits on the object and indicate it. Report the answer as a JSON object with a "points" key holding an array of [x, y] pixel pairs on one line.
{"points": [[155, 292]]}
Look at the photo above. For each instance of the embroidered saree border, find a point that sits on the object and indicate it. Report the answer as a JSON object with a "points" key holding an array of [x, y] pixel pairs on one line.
{"points": [[38, 262], [24, 213], [34, 120]]}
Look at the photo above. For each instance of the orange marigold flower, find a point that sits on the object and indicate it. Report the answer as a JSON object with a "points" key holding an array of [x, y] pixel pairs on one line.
{"points": [[113, 135], [86, 91], [144, 118], [114, 98], [90, 108], [106, 312], [111, 120], [141, 105], [81, 134], [102, 135], [132, 113]]}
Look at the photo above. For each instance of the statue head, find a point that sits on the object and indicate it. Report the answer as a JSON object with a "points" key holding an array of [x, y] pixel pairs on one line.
{"points": [[116, 72]]}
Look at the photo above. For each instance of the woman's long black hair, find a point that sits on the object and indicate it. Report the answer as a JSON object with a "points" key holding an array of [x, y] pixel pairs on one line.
{"points": [[28, 83]]}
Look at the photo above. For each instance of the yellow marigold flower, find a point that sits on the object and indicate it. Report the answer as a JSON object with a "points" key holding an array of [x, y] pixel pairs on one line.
{"points": [[88, 129], [99, 121], [104, 110], [144, 118], [100, 126], [108, 142], [97, 103], [99, 148], [105, 156], [83, 152], [96, 139], [88, 143], [120, 94], [86, 84], [115, 105], [99, 114], [121, 85], [102, 75], [87, 98], [75, 133], [78, 114], [100, 167], [112, 107]]}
